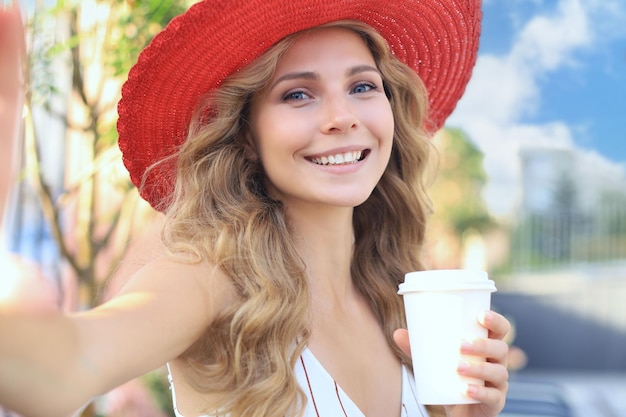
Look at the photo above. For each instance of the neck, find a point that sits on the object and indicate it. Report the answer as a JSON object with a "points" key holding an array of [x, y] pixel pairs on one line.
{"points": [[325, 240]]}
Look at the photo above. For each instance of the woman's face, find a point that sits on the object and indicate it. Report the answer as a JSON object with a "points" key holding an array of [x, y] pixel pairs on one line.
{"points": [[323, 127]]}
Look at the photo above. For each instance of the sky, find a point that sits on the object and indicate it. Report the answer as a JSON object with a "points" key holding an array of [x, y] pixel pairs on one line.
{"points": [[549, 73]]}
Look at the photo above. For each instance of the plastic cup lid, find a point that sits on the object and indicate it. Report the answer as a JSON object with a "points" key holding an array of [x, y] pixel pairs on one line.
{"points": [[446, 280]]}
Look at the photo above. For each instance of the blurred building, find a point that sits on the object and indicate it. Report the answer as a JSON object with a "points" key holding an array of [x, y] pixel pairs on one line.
{"points": [[573, 211]]}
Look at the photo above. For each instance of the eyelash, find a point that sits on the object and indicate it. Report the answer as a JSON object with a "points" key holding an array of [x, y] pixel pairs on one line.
{"points": [[290, 95], [369, 86]]}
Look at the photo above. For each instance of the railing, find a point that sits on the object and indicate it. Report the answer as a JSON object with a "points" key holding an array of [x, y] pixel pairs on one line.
{"points": [[569, 238]]}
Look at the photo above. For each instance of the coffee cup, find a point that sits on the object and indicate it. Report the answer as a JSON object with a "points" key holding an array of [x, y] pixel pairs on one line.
{"points": [[442, 309]]}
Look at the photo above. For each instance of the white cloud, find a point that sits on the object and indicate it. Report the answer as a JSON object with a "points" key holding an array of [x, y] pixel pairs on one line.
{"points": [[547, 42], [505, 89]]}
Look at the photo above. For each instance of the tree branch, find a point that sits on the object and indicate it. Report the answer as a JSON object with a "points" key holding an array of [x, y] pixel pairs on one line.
{"points": [[43, 190]]}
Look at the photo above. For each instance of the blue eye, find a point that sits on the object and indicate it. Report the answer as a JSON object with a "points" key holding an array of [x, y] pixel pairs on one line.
{"points": [[295, 95], [363, 88]]}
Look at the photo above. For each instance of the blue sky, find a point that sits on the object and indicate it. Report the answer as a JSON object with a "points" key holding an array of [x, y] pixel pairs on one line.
{"points": [[550, 73]]}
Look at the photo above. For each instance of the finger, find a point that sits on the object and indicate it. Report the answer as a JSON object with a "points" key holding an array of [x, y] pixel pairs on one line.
{"points": [[494, 375], [494, 350], [12, 42], [11, 93], [497, 324], [491, 397], [401, 337]]}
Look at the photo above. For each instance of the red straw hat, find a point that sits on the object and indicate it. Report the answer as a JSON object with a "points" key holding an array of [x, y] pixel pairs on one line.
{"points": [[214, 38]]}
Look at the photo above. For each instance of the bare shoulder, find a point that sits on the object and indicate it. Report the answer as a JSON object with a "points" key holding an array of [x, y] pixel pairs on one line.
{"points": [[184, 280]]}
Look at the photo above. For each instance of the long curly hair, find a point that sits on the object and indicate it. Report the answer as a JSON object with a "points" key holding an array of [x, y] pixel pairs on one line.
{"points": [[222, 212]]}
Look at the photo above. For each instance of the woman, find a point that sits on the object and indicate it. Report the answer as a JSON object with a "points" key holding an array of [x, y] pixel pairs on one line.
{"points": [[286, 145]]}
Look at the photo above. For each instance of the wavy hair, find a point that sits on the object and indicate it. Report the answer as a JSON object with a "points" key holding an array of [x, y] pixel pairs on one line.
{"points": [[221, 212]]}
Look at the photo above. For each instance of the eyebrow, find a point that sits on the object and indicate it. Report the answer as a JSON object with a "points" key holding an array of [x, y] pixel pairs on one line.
{"points": [[310, 75], [362, 68]]}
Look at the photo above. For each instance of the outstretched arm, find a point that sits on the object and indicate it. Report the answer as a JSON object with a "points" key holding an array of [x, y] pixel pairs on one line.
{"points": [[51, 363], [63, 361]]}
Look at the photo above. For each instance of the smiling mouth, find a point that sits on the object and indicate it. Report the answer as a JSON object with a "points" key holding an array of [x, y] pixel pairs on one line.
{"points": [[344, 158]]}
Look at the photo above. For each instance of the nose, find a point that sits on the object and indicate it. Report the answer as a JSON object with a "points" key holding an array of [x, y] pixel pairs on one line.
{"points": [[339, 116]]}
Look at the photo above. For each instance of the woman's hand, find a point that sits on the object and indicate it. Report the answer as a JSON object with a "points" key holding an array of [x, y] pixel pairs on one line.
{"points": [[494, 371], [12, 50]]}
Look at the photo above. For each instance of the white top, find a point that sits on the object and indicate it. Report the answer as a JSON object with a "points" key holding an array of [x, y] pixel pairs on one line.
{"points": [[326, 398]]}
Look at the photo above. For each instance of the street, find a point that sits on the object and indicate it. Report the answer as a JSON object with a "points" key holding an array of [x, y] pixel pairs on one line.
{"points": [[585, 394]]}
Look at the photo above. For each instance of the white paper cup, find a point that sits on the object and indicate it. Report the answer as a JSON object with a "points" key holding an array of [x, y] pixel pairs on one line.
{"points": [[442, 309]]}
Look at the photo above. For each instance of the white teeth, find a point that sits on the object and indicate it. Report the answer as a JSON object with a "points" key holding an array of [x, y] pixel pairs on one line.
{"points": [[338, 159]]}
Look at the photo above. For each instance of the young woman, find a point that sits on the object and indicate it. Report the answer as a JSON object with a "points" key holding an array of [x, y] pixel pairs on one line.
{"points": [[286, 142]]}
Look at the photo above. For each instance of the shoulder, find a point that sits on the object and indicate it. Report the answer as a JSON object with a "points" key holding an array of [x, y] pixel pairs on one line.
{"points": [[167, 305], [188, 281]]}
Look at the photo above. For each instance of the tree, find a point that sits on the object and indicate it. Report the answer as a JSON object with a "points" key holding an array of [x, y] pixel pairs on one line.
{"points": [[457, 194], [92, 217]]}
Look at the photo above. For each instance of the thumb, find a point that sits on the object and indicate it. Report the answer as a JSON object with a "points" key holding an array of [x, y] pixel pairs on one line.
{"points": [[12, 43], [401, 337]]}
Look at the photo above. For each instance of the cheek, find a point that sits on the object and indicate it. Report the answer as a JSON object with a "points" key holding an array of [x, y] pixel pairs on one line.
{"points": [[271, 148], [385, 127], [380, 116], [262, 136], [279, 137]]}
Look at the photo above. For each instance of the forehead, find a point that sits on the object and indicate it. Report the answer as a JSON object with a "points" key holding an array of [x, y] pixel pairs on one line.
{"points": [[334, 44]]}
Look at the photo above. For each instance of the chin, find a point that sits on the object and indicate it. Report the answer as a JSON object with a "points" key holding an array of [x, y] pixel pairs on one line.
{"points": [[352, 201]]}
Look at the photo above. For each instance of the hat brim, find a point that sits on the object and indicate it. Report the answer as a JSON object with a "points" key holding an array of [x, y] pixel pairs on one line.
{"points": [[214, 38]]}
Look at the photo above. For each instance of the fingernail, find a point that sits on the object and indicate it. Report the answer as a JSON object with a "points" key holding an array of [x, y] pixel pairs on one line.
{"points": [[463, 367], [472, 390], [483, 316], [466, 346]]}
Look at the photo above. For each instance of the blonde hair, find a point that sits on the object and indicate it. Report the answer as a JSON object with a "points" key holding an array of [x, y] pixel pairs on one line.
{"points": [[221, 212]]}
